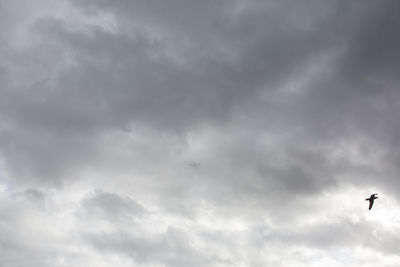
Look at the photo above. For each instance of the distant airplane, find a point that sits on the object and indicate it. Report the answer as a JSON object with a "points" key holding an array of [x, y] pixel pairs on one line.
{"points": [[194, 164], [371, 200]]}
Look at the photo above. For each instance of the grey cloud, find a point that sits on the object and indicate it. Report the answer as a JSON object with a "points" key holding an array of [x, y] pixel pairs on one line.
{"points": [[372, 56], [170, 249], [339, 235], [281, 103], [154, 88], [122, 78], [111, 206], [24, 240], [36, 197]]}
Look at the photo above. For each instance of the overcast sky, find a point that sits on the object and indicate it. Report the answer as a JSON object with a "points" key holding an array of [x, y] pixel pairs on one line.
{"points": [[202, 133]]}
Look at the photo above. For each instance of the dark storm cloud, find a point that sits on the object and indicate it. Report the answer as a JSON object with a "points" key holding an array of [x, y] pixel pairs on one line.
{"points": [[372, 57], [356, 97], [85, 82]]}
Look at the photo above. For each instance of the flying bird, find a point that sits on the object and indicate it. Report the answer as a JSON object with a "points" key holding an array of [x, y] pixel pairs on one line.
{"points": [[371, 200]]}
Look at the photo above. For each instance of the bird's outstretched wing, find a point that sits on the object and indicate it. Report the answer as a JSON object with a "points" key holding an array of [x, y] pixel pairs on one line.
{"points": [[371, 202]]}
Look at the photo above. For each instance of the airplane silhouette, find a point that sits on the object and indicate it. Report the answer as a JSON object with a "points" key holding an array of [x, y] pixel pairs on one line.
{"points": [[371, 200]]}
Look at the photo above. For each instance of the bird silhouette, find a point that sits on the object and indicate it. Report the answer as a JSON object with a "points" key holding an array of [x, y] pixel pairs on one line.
{"points": [[371, 200]]}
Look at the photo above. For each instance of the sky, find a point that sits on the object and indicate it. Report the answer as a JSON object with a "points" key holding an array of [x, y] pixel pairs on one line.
{"points": [[175, 133]]}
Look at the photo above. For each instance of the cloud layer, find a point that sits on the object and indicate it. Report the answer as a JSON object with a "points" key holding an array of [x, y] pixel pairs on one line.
{"points": [[199, 133]]}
